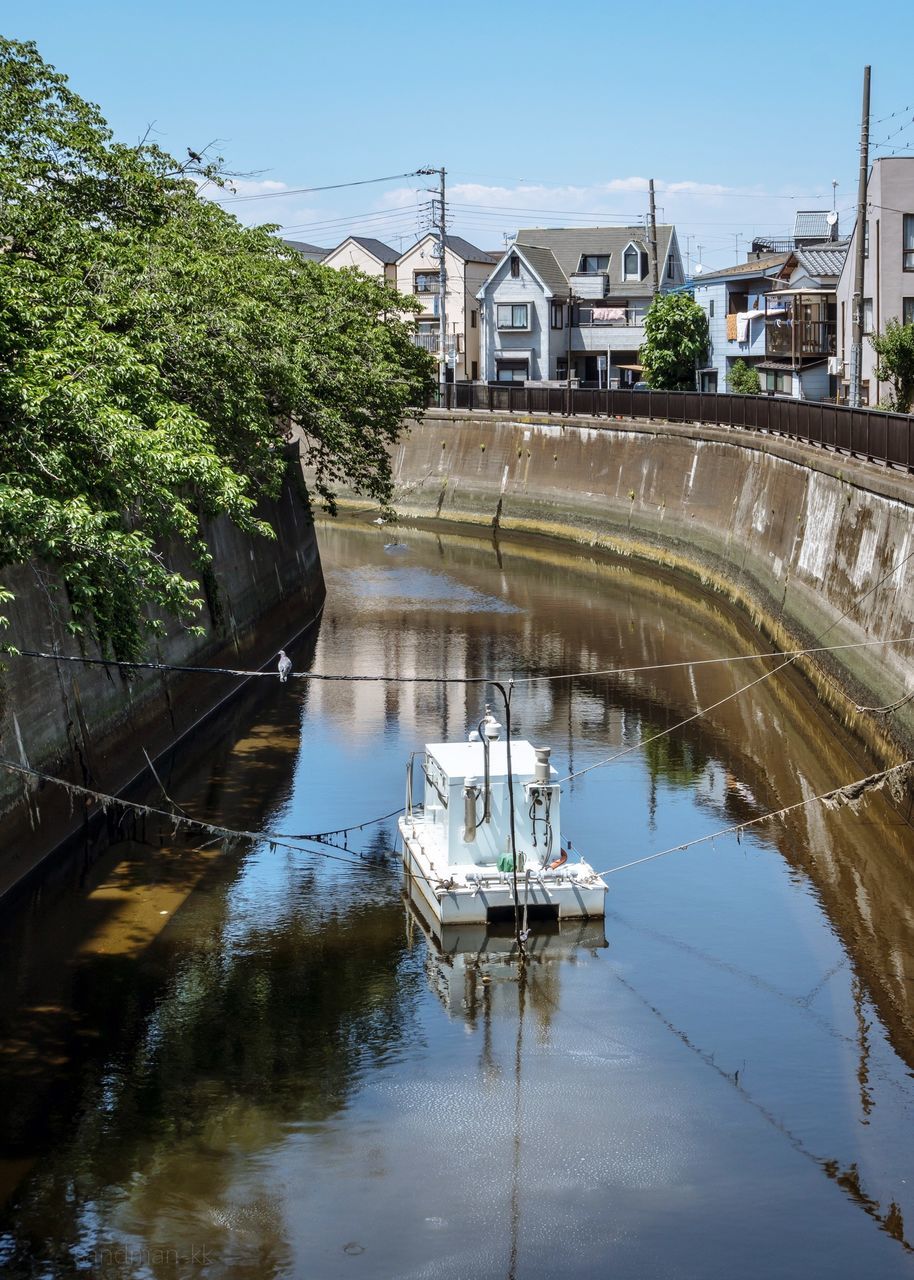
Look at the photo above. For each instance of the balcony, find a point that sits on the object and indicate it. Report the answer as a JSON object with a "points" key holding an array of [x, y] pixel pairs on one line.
{"points": [[607, 317], [429, 342], [800, 325], [589, 284]]}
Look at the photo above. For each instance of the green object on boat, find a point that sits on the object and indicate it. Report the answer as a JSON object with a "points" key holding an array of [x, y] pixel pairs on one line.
{"points": [[506, 862]]}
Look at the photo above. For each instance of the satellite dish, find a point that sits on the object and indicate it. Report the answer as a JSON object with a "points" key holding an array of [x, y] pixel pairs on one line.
{"points": [[831, 218], [699, 269]]}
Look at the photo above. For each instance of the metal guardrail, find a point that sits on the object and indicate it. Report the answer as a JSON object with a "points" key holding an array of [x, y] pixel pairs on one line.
{"points": [[871, 434]]}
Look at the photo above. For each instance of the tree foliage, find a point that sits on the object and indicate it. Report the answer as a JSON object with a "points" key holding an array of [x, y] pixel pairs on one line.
{"points": [[149, 347], [895, 363], [743, 379], [675, 342]]}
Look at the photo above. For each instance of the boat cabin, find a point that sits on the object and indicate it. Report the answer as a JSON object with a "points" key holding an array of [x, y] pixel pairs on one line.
{"points": [[466, 810]]}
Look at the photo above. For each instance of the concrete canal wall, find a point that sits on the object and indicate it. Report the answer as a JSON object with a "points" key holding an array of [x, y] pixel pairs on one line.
{"points": [[92, 724], [812, 544]]}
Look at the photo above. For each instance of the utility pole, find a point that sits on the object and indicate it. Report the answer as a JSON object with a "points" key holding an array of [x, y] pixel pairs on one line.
{"points": [[442, 286], [655, 274], [856, 371]]}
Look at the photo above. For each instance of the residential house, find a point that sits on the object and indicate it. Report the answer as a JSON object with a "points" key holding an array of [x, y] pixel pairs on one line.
{"points": [[374, 257], [801, 324], [570, 302], [417, 275], [733, 299], [888, 275], [310, 251]]}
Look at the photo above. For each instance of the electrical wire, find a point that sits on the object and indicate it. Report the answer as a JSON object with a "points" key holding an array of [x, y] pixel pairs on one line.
{"points": [[304, 191], [582, 674], [276, 839], [846, 794]]}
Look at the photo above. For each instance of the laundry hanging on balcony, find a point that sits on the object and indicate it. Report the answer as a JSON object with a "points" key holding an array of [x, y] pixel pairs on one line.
{"points": [[608, 315], [742, 323]]}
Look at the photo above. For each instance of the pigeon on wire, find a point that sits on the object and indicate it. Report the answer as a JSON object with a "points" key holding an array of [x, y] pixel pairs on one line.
{"points": [[284, 666]]}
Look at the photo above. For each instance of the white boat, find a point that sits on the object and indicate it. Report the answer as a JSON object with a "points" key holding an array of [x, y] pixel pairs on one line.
{"points": [[457, 844]]}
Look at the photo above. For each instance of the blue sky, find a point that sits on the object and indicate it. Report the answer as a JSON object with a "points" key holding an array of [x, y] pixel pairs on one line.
{"points": [[549, 115]]}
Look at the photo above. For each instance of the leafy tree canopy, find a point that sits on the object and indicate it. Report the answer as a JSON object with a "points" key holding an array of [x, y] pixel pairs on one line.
{"points": [[743, 379], [675, 342], [150, 345], [895, 363]]}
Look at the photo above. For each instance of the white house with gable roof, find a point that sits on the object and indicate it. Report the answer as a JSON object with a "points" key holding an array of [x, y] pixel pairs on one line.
{"points": [[572, 301]]}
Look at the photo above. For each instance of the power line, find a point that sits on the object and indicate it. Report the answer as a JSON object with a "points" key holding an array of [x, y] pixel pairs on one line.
{"points": [[849, 793], [240, 673], [277, 839], [304, 191]]}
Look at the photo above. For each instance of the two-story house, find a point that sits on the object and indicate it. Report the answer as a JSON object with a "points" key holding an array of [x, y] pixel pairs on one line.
{"points": [[733, 299], [801, 324], [888, 274], [373, 257], [467, 268], [570, 303]]}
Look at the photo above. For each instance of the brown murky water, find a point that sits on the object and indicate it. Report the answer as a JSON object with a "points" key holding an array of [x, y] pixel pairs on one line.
{"points": [[254, 1062]]}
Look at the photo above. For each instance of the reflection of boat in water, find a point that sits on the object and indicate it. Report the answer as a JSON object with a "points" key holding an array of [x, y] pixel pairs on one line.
{"points": [[464, 958], [458, 844]]}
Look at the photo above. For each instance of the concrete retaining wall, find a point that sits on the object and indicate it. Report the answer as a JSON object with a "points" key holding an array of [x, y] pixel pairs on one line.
{"points": [[814, 545], [92, 724]]}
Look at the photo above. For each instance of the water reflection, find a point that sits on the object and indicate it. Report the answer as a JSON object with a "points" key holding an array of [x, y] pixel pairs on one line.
{"points": [[263, 1053]]}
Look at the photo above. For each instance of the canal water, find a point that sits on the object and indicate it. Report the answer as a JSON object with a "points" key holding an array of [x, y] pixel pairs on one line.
{"points": [[252, 1061]]}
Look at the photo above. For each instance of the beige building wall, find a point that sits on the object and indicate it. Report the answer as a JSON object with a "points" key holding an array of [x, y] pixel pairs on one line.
{"points": [[351, 254], [464, 279]]}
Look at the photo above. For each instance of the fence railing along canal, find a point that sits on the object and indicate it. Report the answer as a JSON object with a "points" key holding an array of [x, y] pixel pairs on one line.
{"points": [[872, 434]]}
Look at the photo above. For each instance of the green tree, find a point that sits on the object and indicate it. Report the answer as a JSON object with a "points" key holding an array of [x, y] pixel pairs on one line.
{"points": [[150, 346], [895, 363], [743, 379], [675, 342]]}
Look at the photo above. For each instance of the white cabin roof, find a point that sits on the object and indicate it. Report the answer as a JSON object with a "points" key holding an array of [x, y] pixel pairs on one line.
{"points": [[460, 760]]}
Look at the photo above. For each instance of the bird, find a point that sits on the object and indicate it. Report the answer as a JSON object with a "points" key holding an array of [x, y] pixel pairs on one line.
{"points": [[284, 666], [379, 521]]}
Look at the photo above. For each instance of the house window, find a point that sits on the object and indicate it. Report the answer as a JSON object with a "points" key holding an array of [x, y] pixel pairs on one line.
{"points": [[591, 263], [711, 309], [474, 370], [426, 282], [907, 255], [907, 311], [867, 317], [511, 370], [558, 315], [779, 383], [515, 266], [631, 263], [512, 315], [474, 319], [671, 267]]}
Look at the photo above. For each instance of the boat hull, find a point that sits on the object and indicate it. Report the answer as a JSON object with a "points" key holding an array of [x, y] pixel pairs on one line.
{"points": [[564, 899]]}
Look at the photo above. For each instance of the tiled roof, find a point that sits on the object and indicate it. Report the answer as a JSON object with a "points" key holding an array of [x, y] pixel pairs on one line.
{"points": [[763, 266], [569, 243], [823, 260], [377, 248], [468, 251], [544, 264], [311, 251]]}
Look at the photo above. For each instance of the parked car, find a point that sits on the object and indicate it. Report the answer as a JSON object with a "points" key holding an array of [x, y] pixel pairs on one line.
{"points": [[641, 386]]}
